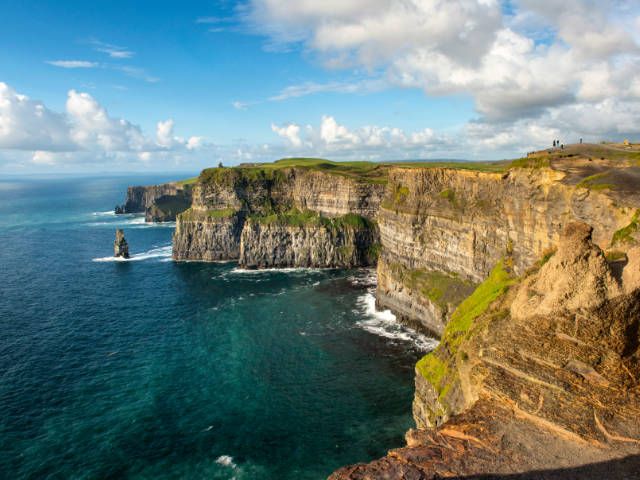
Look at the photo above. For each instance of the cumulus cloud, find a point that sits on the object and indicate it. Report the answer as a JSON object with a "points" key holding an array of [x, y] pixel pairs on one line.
{"points": [[27, 124], [537, 57], [475, 140], [290, 132], [337, 140], [84, 130]]}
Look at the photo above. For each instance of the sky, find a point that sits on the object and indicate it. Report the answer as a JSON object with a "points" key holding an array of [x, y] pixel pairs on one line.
{"points": [[179, 86]]}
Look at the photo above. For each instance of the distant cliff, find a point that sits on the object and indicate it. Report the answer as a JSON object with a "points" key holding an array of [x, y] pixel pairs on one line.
{"points": [[280, 217], [159, 203]]}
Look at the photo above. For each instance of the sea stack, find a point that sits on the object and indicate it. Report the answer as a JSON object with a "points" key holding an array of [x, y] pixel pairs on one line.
{"points": [[120, 245]]}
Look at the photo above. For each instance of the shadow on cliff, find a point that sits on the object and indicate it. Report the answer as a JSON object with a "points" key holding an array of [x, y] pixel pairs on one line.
{"points": [[627, 468]]}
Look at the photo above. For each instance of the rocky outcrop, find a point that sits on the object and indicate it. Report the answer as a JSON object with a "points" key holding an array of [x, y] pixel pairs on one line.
{"points": [[167, 207], [212, 235], [120, 245], [273, 245], [462, 222], [539, 372], [422, 299], [160, 203], [296, 214]]}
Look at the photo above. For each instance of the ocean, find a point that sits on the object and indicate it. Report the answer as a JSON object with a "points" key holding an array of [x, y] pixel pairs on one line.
{"points": [[150, 368]]}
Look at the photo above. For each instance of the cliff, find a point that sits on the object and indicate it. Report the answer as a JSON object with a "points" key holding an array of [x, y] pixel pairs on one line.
{"points": [[159, 203], [538, 314], [282, 216], [537, 373], [460, 223]]}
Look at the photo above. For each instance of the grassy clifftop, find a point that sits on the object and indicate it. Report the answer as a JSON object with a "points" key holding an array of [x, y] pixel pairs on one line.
{"points": [[377, 172]]}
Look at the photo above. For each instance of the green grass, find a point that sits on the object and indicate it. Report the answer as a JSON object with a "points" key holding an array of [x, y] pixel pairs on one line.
{"points": [[443, 289], [491, 289], [489, 167], [187, 181], [615, 256], [367, 172], [361, 171], [194, 215], [596, 182], [431, 366], [531, 162], [449, 195], [221, 213], [625, 235], [297, 218]]}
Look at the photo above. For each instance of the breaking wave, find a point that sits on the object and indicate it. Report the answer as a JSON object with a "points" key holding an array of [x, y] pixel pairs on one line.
{"points": [[163, 253], [385, 324]]}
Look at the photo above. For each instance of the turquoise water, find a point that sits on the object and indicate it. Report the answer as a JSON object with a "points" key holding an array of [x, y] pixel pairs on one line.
{"points": [[156, 369]]}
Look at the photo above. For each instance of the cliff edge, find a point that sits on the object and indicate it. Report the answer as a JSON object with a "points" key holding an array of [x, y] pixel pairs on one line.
{"points": [[536, 375]]}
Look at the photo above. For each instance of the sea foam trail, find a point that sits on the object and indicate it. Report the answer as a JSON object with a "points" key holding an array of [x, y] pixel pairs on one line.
{"points": [[132, 220], [385, 324], [259, 271], [159, 252]]}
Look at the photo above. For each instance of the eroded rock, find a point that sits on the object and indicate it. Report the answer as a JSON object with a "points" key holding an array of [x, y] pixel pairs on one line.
{"points": [[120, 245]]}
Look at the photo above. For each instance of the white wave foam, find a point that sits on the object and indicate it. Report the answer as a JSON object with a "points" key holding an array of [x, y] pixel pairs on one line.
{"points": [[108, 213], [366, 278], [226, 460], [159, 252], [130, 220], [385, 324], [247, 271]]}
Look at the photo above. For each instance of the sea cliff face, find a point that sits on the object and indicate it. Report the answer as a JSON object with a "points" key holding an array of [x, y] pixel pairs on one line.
{"points": [[538, 371], [319, 245], [461, 223], [159, 203], [291, 217]]}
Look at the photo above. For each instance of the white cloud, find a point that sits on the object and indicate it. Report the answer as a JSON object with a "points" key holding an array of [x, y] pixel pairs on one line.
{"points": [[312, 88], [522, 65], [164, 133], [238, 105], [290, 132], [137, 73], [27, 124], [72, 63], [92, 127], [194, 143], [43, 158], [334, 139], [113, 51], [85, 132]]}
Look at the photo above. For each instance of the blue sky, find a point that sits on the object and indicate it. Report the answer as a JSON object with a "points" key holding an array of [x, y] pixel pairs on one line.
{"points": [[257, 80]]}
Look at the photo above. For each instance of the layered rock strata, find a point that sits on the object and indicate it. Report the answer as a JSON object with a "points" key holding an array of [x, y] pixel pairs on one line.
{"points": [[462, 222], [543, 374], [159, 203], [317, 245], [290, 217]]}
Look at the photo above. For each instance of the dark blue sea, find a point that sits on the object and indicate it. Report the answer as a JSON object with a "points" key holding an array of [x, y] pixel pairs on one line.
{"points": [[155, 369]]}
